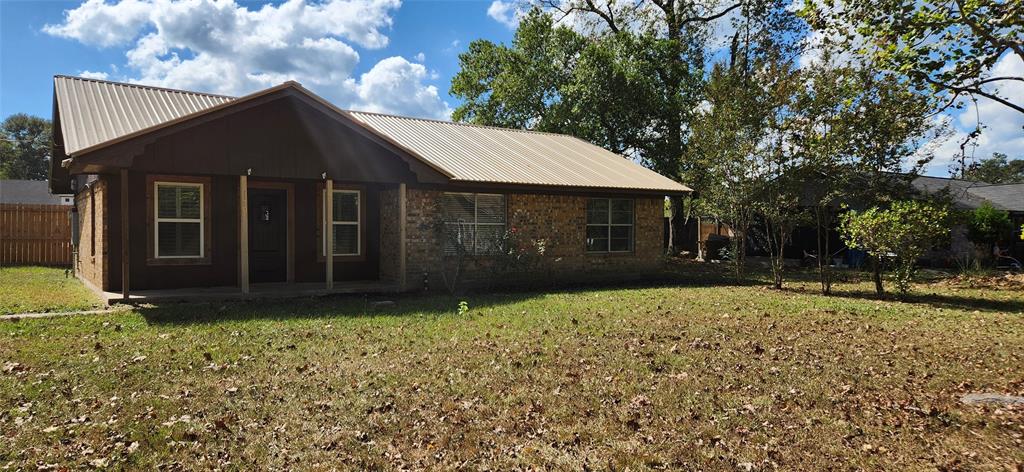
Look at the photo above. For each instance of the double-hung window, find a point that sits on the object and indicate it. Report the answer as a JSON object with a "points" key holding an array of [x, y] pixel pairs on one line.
{"points": [[179, 220], [609, 225], [345, 222], [474, 222]]}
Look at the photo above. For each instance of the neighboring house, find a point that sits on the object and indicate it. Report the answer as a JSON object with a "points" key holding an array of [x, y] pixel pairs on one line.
{"points": [[182, 189], [31, 192], [968, 195]]}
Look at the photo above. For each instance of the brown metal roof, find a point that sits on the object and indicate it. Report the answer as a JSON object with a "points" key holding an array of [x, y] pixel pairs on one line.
{"points": [[96, 113]]}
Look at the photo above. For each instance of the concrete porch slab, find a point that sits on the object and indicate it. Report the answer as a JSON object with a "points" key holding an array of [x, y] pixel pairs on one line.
{"points": [[256, 292]]}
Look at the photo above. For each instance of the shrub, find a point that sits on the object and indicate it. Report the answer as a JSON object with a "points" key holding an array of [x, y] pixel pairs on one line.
{"points": [[903, 232], [986, 224]]}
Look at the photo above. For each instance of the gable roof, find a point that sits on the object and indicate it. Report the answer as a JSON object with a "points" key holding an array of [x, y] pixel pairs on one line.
{"points": [[33, 192], [95, 114]]}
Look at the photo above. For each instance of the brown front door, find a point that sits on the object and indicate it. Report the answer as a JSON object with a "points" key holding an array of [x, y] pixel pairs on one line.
{"points": [[268, 235]]}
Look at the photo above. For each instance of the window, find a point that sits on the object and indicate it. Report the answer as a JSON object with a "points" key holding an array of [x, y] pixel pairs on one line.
{"points": [[345, 223], [179, 220], [609, 225], [474, 222]]}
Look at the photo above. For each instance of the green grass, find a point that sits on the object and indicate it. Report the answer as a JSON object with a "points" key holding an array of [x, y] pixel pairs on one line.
{"points": [[667, 377], [42, 289]]}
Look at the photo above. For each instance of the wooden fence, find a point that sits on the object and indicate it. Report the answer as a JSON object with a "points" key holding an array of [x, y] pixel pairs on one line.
{"points": [[35, 235]]}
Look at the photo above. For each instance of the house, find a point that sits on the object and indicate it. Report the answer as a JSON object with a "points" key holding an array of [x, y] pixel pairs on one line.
{"points": [[178, 189], [30, 192]]}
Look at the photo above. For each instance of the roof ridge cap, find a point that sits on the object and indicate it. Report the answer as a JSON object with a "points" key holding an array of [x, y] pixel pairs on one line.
{"points": [[143, 86], [461, 123]]}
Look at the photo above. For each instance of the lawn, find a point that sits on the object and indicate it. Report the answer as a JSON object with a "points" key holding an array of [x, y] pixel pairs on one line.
{"points": [[42, 289], [679, 376]]}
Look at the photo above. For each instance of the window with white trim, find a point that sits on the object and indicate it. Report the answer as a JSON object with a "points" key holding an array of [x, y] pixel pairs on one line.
{"points": [[474, 222], [345, 222], [178, 210], [609, 225]]}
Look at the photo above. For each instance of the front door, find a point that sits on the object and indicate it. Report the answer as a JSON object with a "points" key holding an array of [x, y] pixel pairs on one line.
{"points": [[268, 235]]}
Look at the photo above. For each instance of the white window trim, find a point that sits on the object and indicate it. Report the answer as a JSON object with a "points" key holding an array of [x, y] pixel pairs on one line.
{"points": [[157, 219], [358, 223], [476, 216], [632, 224]]}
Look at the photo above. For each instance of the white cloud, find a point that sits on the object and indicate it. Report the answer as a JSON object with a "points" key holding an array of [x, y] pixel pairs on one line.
{"points": [[397, 84], [98, 23], [420, 57], [88, 74], [1003, 128], [223, 47], [506, 13]]}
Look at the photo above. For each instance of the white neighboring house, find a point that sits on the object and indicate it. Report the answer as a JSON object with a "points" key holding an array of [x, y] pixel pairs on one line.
{"points": [[31, 192]]}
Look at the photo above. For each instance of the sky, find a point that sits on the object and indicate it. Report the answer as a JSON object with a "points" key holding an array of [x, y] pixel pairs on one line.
{"points": [[375, 55]]}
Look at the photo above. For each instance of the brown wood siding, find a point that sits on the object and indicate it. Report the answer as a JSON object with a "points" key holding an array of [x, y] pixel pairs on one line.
{"points": [[35, 234], [281, 139], [222, 270]]}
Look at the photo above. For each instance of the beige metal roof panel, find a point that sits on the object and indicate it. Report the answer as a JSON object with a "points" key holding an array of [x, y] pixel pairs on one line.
{"points": [[97, 111], [486, 154]]}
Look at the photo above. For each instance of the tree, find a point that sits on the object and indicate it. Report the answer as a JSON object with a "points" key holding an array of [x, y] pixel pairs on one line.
{"points": [[25, 147], [947, 46], [986, 225], [902, 233], [996, 170]]}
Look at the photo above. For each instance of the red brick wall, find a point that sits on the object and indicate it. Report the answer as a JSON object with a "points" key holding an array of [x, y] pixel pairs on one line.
{"points": [[558, 219]]}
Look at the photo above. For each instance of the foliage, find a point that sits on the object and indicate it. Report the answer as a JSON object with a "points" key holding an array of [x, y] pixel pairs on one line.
{"points": [[997, 169], [987, 225], [25, 147], [904, 232], [630, 90], [949, 47], [463, 308]]}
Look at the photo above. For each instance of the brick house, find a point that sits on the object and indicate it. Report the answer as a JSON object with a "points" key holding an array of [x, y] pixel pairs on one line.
{"points": [[177, 189]]}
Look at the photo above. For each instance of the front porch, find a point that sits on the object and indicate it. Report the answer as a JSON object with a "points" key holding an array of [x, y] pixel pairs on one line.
{"points": [[259, 291]]}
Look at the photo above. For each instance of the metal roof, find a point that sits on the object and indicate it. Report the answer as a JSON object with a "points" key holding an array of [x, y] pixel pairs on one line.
{"points": [[93, 112], [97, 113], [473, 153]]}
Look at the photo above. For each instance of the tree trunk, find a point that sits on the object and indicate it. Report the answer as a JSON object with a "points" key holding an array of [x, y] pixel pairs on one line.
{"points": [[876, 275]]}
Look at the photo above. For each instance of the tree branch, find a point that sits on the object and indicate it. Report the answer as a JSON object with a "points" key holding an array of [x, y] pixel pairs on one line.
{"points": [[975, 91], [713, 17]]}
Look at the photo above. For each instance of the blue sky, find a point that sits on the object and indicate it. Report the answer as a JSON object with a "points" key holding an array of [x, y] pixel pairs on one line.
{"points": [[377, 55]]}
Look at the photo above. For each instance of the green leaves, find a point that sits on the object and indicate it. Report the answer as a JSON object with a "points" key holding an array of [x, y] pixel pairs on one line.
{"points": [[902, 233], [25, 147]]}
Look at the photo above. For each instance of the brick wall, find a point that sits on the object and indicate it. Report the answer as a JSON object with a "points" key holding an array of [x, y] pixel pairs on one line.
{"points": [[558, 219], [91, 264]]}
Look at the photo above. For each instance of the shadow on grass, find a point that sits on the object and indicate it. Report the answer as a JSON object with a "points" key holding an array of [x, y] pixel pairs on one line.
{"points": [[935, 300], [408, 304]]}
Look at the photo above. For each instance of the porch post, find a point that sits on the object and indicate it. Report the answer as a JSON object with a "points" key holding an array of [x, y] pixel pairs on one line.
{"points": [[243, 233], [329, 232], [401, 236], [125, 266]]}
